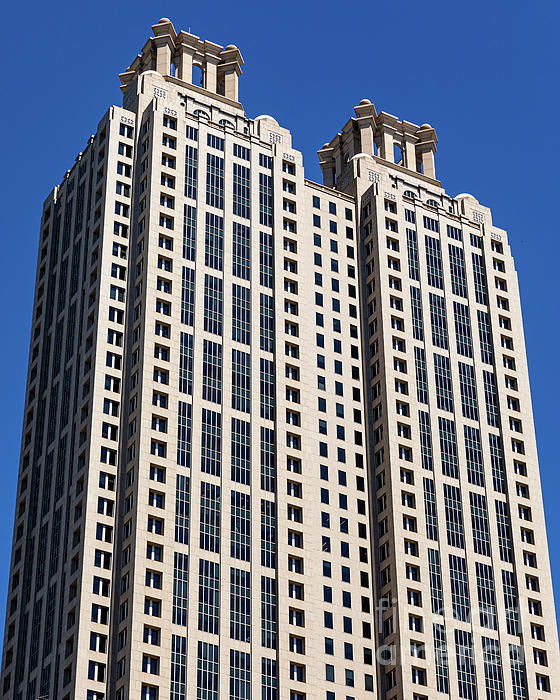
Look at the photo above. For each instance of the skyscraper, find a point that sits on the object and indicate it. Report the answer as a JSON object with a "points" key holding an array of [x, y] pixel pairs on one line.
{"points": [[278, 435]]}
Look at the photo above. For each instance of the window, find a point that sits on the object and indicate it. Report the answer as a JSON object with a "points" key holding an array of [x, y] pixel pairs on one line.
{"points": [[431, 224], [415, 623], [543, 683], [433, 259]]}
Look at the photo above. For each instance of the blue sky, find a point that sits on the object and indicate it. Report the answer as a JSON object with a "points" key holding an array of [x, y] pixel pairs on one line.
{"points": [[484, 74]]}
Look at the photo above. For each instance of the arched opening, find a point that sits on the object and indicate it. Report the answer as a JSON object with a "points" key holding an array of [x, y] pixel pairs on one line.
{"points": [[375, 148], [397, 154], [172, 70], [197, 75]]}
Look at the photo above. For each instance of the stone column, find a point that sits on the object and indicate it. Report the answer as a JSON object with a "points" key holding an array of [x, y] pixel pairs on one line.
{"points": [[387, 142], [187, 45], [365, 116], [164, 44], [327, 164], [409, 148], [163, 56], [428, 164], [185, 63], [229, 71], [425, 150]]}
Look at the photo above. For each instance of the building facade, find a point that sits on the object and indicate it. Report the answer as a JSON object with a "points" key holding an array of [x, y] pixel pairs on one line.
{"points": [[278, 435]]}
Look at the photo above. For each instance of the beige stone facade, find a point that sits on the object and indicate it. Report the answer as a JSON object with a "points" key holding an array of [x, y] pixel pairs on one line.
{"points": [[278, 435]]}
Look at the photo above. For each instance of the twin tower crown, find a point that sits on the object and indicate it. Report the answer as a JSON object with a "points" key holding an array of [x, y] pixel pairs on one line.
{"points": [[189, 59]]}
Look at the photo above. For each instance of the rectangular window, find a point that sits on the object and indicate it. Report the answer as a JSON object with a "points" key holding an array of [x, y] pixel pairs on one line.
{"points": [[241, 314], [178, 689], [240, 544], [480, 527], [412, 252], [459, 589], [184, 434], [425, 440], [214, 241], [444, 391], [213, 304], [417, 320], [240, 605], [268, 533], [431, 224], [269, 674], [498, 463], [430, 510], [466, 672], [266, 259], [266, 200], [189, 232], [191, 171], [438, 319], [208, 596], [268, 459], [458, 272], [207, 671], [265, 161], [467, 383], [186, 363], [240, 451], [212, 372], [448, 447], [503, 522], [241, 191], [454, 233], [239, 673], [266, 318], [421, 374], [211, 452], [485, 337], [241, 260], [486, 596], [462, 329], [479, 273], [491, 397], [187, 296], [269, 612], [209, 517], [518, 675], [241, 152], [511, 602], [434, 266], [473, 451], [180, 588], [436, 585], [241, 380], [182, 509], [214, 181], [441, 657], [215, 142], [454, 516]]}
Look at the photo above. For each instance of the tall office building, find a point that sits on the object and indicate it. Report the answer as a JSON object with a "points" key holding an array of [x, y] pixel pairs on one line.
{"points": [[464, 597], [278, 435]]}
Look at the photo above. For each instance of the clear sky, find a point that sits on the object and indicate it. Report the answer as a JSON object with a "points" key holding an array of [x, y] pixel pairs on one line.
{"points": [[484, 74]]}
